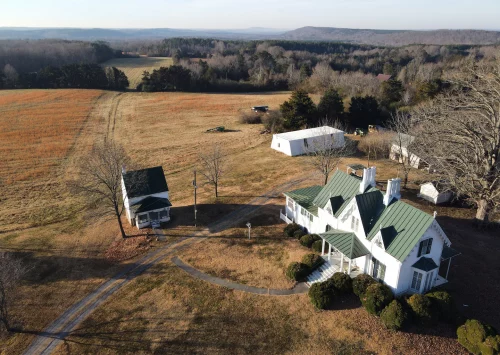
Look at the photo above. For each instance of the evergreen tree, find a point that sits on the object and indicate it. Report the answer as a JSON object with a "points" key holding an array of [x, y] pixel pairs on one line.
{"points": [[298, 111], [331, 106], [392, 92], [364, 111]]}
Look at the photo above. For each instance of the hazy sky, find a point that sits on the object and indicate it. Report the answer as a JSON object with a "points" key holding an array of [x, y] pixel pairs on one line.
{"points": [[382, 14]]}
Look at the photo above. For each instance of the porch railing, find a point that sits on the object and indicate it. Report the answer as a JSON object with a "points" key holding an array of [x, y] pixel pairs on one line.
{"points": [[285, 218]]}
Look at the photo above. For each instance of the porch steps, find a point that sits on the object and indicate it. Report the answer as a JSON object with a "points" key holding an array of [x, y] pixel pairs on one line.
{"points": [[323, 273]]}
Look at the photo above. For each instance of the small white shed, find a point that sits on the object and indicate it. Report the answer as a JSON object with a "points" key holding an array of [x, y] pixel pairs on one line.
{"points": [[435, 192], [304, 141]]}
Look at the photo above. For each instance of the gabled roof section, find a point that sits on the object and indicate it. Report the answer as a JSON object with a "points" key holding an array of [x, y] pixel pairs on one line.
{"points": [[145, 182], [150, 203], [336, 202], [370, 205], [425, 264], [305, 197], [341, 184], [347, 243], [308, 133], [409, 225]]}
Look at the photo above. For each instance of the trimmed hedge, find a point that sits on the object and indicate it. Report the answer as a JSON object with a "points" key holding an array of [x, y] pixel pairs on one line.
{"points": [[394, 316], [298, 234], [478, 338], [421, 308], [290, 229], [360, 283], [297, 271], [308, 239], [312, 261], [341, 282], [321, 295], [376, 297], [442, 305], [317, 246]]}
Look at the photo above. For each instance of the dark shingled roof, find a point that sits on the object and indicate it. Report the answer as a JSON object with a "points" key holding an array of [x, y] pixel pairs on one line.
{"points": [[145, 182], [425, 264], [150, 203], [347, 243]]}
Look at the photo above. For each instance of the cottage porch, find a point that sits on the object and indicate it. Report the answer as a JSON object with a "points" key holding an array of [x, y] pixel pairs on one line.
{"points": [[151, 212]]}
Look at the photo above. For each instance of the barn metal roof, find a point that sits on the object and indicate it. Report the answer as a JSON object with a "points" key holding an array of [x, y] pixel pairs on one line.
{"points": [[308, 133], [347, 243]]}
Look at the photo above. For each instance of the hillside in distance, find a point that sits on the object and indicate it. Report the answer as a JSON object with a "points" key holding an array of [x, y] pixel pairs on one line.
{"points": [[393, 37]]}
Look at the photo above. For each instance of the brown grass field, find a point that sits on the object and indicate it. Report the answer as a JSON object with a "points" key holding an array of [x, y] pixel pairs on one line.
{"points": [[134, 67], [165, 310]]}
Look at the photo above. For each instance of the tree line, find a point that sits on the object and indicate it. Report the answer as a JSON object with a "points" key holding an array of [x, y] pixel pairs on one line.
{"points": [[81, 76]]}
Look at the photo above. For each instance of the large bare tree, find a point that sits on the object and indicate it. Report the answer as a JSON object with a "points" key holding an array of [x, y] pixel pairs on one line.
{"points": [[325, 153], [11, 272], [100, 176], [212, 165], [460, 133], [403, 143]]}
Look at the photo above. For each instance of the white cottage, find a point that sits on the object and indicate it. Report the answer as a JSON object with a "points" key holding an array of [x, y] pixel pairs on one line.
{"points": [[435, 192], [401, 151], [146, 197], [366, 231], [303, 141]]}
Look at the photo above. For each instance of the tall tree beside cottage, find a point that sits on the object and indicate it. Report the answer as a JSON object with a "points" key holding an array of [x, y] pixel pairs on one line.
{"points": [[330, 106], [212, 163], [460, 133]]}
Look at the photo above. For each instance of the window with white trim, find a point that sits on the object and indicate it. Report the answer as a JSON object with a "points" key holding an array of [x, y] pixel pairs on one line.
{"points": [[303, 211], [425, 247], [378, 269], [354, 223], [143, 218], [416, 281], [428, 281], [290, 203], [311, 217], [305, 143]]}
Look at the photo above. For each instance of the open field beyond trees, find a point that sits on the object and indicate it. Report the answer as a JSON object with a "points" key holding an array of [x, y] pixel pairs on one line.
{"points": [[71, 252], [134, 67]]}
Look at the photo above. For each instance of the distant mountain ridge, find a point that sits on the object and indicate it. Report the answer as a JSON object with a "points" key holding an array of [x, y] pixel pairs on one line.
{"points": [[393, 37], [358, 36]]}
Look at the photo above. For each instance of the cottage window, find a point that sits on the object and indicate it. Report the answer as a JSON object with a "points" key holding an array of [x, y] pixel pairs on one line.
{"points": [[290, 203], [278, 145], [143, 218], [328, 228], [354, 224], [305, 143], [428, 281], [311, 217], [425, 247], [416, 281], [303, 211], [378, 270], [163, 214]]}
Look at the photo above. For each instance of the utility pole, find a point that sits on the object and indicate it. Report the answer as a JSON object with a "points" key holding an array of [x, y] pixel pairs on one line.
{"points": [[195, 187]]}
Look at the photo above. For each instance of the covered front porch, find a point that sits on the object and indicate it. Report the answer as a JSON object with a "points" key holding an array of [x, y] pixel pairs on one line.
{"points": [[341, 249], [151, 212], [447, 254]]}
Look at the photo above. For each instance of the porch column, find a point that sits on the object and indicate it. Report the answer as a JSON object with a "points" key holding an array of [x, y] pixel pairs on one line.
{"points": [[341, 262], [323, 248], [448, 270], [349, 270], [329, 251]]}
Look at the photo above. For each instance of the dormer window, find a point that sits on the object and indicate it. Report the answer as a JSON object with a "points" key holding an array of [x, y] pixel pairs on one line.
{"points": [[425, 247], [354, 224]]}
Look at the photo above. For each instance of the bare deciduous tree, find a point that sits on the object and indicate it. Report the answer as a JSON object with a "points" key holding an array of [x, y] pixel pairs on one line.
{"points": [[11, 272], [376, 145], [403, 143], [100, 177], [460, 133], [325, 152], [212, 166]]}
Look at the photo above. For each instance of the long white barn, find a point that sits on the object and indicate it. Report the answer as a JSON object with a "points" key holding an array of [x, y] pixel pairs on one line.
{"points": [[366, 231], [304, 141]]}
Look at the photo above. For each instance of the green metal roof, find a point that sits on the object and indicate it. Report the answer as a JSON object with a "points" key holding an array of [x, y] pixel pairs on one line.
{"points": [[347, 243], [370, 205], [409, 225], [341, 184], [425, 264], [305, 197]]}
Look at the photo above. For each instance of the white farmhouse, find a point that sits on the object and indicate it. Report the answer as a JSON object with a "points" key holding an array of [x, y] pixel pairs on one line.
{"points": [[145, 196], [435, 192], [366, 231], [304, 141]]}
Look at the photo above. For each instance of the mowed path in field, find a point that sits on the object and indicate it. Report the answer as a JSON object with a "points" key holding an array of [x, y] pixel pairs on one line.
{"points": [[135, 67]]}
